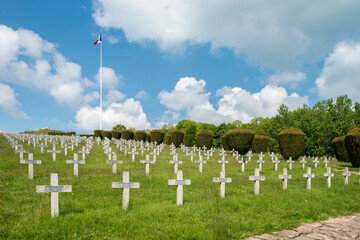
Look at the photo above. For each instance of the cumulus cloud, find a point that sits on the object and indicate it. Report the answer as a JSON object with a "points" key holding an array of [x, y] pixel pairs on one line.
{"points": [[341, 72], [9, 103], [287, 78], [129, 113], [234, 104], [276, 35], [141, 94], [109, 77], [113, 96]]}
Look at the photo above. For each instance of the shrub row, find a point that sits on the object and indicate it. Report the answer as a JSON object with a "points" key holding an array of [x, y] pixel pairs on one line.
{"points": [[291, 143]]}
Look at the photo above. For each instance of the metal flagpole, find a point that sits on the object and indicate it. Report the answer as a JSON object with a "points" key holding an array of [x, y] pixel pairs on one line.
{"points": [[101, 83]]}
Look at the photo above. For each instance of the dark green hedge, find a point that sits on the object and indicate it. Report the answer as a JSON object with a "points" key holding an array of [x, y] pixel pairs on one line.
{"points": [[140, 135], [97, 133], [291, 143], [204, 138], [106, 134], [352, 144], [225, 145], [168, 139], [186, 140], [177, 137], [116, 134], [260, 144], [127, 134], [157, 135], [240, 139], [340, 149]]}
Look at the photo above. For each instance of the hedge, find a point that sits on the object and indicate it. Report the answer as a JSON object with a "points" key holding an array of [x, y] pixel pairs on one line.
{"points": [[127, 134], [225, 145], [106, 134], [260, 144], [116, 134], [140, 135], [177, 137], [97, 133], [157, 135], [186, 140], [168, 139], [204, 138], [340, 149], [291, 143], [148, 138], [352, 144], [240, 139]]}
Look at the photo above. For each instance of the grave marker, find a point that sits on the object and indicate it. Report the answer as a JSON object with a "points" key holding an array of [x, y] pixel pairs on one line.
{"points": [[328, 176], [179, 182], [30, 163], [290, 161], [257, 178], [125, 185], [285, 178], [114, 162], [176, 163], [243, 161], [147, 163], [200, 162], [222, 180], [308, 175], [346, 174], [76, 163]]}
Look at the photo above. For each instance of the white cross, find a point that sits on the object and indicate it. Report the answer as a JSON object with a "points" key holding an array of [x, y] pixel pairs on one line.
{"points": [[308, 175], [285, 178], [290, 161], [42, 147], [272, 155], [242, 161], [76, 163], [147, 163], [154, 153], [200, 162], [316, 161], [249, 155], [346, 174], [114, 162], [276, 161], [179, 182], [191, 154], [328, 176], [54, 152], [126, 185], [303, 161], [21, 151], [176, 163], [326, 162], [257, 178], [83, 152], [207, 154], [30, 163], [222, 180], [54, 189], [65, 149], [223, 162], [260, 161]]}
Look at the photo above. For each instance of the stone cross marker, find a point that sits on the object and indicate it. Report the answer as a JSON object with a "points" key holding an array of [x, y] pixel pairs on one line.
{"points": [[260, 161], [133, 153], [272, 155], [316, 161], [257, 178], [243, 161], [222, 154], [54, 152], [83, 152], [154, 153], [284, 177], [147, 163], [326, 162], [222, 180], [249, 155], [114, 162], [223, 162], [303, 162], [30, 163], [191, 154], [76, 163], [176, 163], [179, 182], [276, 161], [66, 147], [54, 189], [42, 146], [200, 162], [346, 174], [328, 176], [126, 185], [308, 175], [22, 151], [290, 161]]}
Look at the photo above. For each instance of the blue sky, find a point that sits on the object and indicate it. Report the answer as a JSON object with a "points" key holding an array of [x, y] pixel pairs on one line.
{"points": [[163, 61]]}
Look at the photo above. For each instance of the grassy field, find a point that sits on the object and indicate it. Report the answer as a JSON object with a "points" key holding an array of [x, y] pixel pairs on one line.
{"points": [[94, 210]]}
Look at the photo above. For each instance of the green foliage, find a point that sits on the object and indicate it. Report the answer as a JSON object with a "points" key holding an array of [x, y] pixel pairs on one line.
{"points": [[204, 138], [127, 134], [292, 143], [106, 134], [177, 137], [148, 138], [186, 140], [140, 135], [352, 143], [119, 127], [190, 128], [168, 139], [260, 144], [60, 133], [340, 149], [224, 143], [157, 135], [97, 133], [240, 139], [219, 132], [116, 134], [167, 128]]}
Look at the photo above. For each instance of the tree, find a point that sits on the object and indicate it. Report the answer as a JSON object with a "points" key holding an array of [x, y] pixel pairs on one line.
{"points": [[119, 127], [190, 128]]}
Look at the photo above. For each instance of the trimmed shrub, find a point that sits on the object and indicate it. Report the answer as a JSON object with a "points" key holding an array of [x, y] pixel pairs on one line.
{"points": [[186, 140], [106, 134], [127, 134], [260, 144], [116, 134], [291, 143], [148, 138], [225, 145], [70, 133], [240, 139], [204, 138], [168, 139], [352, 144], [157, 135], [97, 133], [140, 135], [338, 145], [177, 137]]}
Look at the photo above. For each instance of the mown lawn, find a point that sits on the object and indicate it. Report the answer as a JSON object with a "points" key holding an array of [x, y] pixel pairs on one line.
{"points": [[94, 210]]}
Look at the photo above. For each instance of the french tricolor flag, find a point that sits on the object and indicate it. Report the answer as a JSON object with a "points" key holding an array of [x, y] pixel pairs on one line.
{"points": [[98, 40]]}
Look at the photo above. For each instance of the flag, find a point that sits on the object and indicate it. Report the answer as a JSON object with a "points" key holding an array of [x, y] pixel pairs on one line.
{"points": [[98, 40]]}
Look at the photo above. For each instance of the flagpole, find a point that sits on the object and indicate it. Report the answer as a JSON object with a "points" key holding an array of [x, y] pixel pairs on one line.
{"points": [[100, 85]]}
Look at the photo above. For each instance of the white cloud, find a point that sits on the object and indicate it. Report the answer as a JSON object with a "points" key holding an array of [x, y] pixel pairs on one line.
{"points": [[234, 104], [141, 94], [129, 113], [113, 96], [276, 35], [341, 72], [9, 103], [113, 39], [287, 78], [109, 77]]}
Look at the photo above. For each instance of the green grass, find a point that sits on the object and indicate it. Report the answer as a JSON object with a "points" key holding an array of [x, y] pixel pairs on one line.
{"points": [[94, 210]]}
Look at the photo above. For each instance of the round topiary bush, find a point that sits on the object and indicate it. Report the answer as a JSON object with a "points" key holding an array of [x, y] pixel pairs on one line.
{"points": [[204, 138], [106, 134], [148, 138], [168, 139], [224, 143], [177, 137], [240, 139], [186, 140], [127, 134], [97, 133], [340, 149], [157, 135], [260, 144], [140, 135], [352, 144], [116, 134], [291, 143]]}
